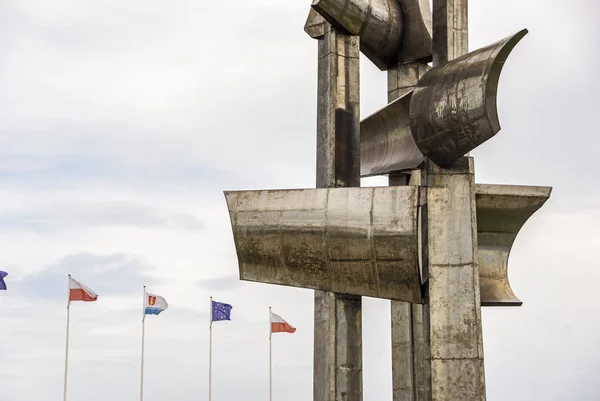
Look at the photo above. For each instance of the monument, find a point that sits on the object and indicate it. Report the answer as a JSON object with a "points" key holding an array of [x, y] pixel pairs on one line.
{"points": [[433, 242]]}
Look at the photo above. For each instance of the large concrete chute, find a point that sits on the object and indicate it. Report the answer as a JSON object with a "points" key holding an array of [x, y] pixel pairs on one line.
{"points": [[453, 109], [336, 239]]}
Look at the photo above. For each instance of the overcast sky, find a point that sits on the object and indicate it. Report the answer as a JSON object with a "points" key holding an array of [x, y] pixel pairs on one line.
{"points": [[121, 123]]}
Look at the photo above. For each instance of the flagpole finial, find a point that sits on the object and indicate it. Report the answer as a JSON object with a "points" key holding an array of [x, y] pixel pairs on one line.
{"points": [[69, 275]]}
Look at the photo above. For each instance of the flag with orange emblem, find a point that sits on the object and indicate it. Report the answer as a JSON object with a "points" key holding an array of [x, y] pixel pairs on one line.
{"points": [[154, 304]]}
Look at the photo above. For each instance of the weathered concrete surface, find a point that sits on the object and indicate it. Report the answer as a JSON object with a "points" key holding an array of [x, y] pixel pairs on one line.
{"points": [[451, 30], [502, 210], [411, 372], [453, 109], [455, 332], [312, 238], [338, 347], [360, 241], [379, 24], [403, 374], [338, 111], [316, 26], [386, 141], [453, 310], [416, 40], [421, 353], [403, 78], [443, 113], [337, 368], [390, 31]]}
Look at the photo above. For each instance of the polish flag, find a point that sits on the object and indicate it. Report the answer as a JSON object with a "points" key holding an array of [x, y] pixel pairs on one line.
{"points": [[79, 292], [278, 325]]}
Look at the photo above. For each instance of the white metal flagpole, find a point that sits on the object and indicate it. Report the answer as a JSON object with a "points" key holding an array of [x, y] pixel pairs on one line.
{"points": [[67, 341], [143, 334], [210, 354], [270, 358]]}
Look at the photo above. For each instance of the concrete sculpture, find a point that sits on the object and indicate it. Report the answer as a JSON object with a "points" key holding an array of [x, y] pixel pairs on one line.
{"points": [[434, 242]]}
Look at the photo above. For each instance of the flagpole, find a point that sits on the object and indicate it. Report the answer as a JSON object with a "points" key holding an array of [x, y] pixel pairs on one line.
{"points": [[67, 340], [143, 335], [270, 358], [210, 354]]}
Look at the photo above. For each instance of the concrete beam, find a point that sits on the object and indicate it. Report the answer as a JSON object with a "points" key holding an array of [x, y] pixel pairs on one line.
{"points": [[360, 241], [294, 237]]}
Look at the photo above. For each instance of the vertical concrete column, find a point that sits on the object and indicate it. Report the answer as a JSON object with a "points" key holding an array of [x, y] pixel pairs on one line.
{"points": [[411, 373], [453, 308], [338, 317], [338, 110], [404, 77], [450, 30], [454, 311]]}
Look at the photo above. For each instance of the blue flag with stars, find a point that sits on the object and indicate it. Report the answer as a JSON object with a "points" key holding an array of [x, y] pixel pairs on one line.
{"points": [[220, 311], [2, 283]]}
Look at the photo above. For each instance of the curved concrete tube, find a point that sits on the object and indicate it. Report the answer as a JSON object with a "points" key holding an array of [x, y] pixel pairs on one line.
{"points": [[450, 113], [502, 210], [379, 24], [416, 40], [390, 31], [386, 141], [358, 241], [453, 109]]}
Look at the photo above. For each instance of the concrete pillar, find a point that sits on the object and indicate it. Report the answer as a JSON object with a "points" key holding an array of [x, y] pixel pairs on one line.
{"points": [[454, 305], [404, 77], [411, 373], [338, 317], [450, 30]]}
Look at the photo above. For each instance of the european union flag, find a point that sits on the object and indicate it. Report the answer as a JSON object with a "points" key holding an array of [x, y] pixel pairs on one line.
{"points": [[2, 283], [220, 311]]}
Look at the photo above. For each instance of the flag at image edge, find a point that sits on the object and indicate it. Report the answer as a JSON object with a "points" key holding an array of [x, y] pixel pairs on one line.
{"points": [[2, 282]]}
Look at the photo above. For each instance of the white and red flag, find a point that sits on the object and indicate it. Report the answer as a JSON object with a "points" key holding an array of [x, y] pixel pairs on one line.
{"points": [[278, 325], [79, 292]]}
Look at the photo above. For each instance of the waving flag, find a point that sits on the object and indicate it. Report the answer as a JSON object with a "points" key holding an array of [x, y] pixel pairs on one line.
{"points": [[2, 283], [79, 292], [220, 311], [154, 304], [278, 325]]}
